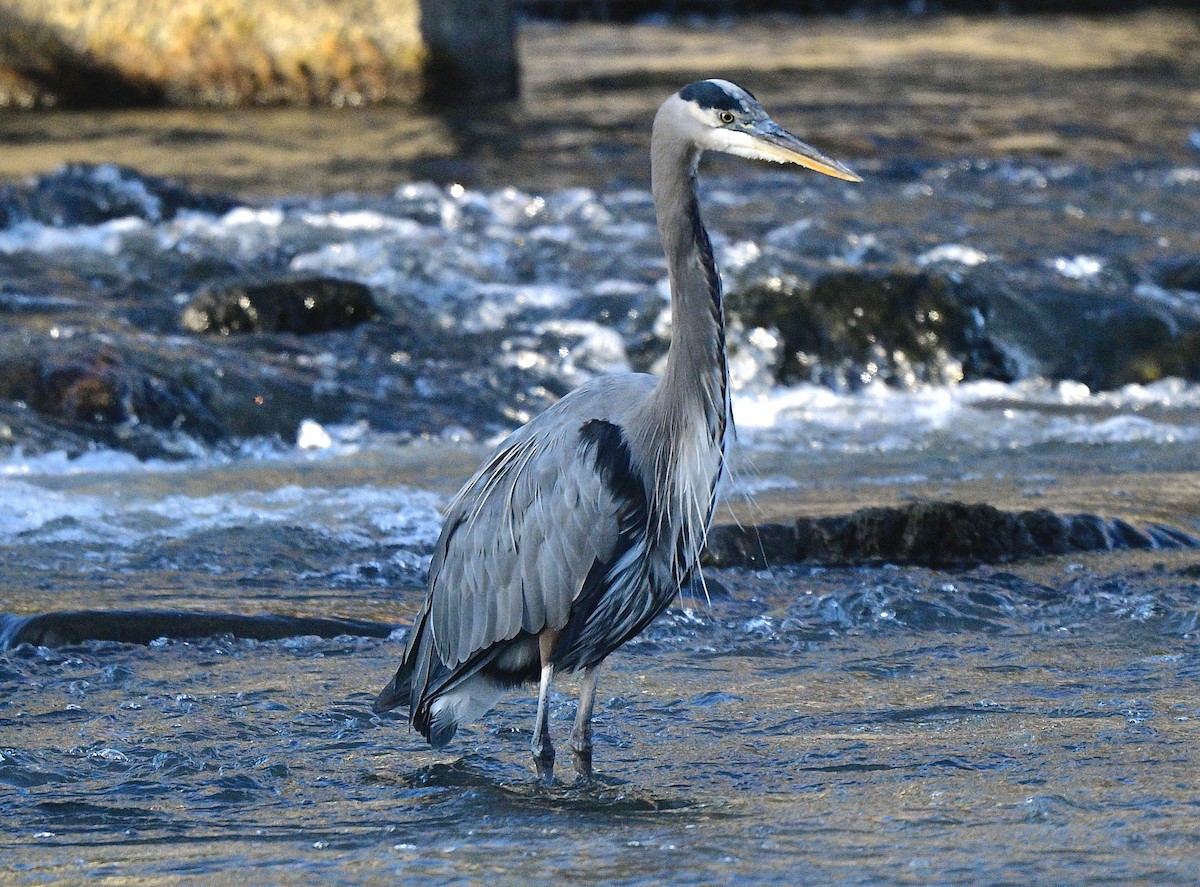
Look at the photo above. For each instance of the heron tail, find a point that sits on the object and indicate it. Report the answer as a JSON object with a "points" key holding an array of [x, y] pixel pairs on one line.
{"points": [[411, 687], [438, 727], [397, 692], [440, 697]]}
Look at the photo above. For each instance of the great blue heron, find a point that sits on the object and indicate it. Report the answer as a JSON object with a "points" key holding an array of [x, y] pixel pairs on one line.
{"points": [[583, 525]]}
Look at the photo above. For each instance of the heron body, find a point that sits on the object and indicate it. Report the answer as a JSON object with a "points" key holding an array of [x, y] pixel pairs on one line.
{"points": [[582, 526]]}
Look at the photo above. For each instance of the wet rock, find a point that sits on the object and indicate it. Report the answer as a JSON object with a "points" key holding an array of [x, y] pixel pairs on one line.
{"points": [[1088, 533], [144, 626], [89, 194], [752, 546], [935, 534], [850, 327], [1092, 331], [986, 322], [170, 396], [1183, 275], [1051, 533], [1140, 347], [287, 306], [35, 434], [1170, 537], [870, 534], [97, 392], [1128, 536], [939, 533]]}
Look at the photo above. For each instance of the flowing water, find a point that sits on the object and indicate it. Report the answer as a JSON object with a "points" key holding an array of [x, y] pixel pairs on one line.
{"points": [[857, 726], [1030, 722]]}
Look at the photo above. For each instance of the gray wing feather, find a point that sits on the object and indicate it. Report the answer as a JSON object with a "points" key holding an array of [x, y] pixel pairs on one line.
{"points": [[521, 536]]}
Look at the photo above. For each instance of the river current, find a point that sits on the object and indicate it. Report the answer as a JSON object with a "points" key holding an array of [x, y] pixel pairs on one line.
{"points": [[876, 723]]}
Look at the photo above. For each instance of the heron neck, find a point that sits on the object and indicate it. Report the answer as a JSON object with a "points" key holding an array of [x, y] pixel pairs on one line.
{"points": [[696, 375]]}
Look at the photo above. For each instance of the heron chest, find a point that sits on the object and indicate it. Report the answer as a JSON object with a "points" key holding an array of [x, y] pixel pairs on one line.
{"points": [[688, 498]]}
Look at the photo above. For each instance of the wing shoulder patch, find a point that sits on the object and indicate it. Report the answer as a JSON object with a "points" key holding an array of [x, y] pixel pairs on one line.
{"points": [[611, 603]]}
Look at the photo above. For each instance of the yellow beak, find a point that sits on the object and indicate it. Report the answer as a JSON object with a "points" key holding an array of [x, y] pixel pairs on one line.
{"points": [[776, 143]]}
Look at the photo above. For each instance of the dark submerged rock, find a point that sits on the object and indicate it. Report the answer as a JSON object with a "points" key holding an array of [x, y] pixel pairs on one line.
{"points": [[97, 392], [144, 626], [286, 306], [1183, 275], [1092, 331], [167, 396]]}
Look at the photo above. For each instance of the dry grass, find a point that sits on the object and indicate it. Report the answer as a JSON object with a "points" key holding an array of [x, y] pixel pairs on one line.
{"points": [[210, 52]]}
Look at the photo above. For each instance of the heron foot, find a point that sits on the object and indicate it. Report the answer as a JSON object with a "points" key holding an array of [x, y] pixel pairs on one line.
{"points": [[581, 753], [543, 760]]}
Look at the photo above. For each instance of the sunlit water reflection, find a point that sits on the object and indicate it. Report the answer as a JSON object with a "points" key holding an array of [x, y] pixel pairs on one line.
{"points": [[801, 727]]}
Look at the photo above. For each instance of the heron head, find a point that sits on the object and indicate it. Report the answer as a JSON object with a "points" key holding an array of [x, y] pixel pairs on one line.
{"points": [[720, 116]]}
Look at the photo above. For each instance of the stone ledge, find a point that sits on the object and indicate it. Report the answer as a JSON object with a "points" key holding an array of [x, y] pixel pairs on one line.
{"points": [[934, 534]]}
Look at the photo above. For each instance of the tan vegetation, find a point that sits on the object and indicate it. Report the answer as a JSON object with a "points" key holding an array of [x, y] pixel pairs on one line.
{"points": [[208, 52]]}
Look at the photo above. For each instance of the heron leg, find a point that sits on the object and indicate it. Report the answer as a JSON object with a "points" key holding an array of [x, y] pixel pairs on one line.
{"points": [[581, 733], [543, 751]]}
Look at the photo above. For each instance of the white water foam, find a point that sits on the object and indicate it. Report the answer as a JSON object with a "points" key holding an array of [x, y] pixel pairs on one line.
{"points": [[983, 415], [107, 238], [357, 516], [496, 260]]}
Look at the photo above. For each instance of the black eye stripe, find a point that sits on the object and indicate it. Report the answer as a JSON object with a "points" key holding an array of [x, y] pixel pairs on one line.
{"points": [[709, 96]]}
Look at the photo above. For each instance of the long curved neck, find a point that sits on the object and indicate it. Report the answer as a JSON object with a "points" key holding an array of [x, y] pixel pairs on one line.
{"points": [[696, 376]]}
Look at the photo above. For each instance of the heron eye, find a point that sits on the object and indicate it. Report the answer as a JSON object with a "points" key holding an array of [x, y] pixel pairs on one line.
{"points": [[726, 117]]}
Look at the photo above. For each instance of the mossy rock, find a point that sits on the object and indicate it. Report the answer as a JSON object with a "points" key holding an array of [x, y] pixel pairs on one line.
{"points": [[933, 534], [286, 306], [96, 393], [849, 327]]}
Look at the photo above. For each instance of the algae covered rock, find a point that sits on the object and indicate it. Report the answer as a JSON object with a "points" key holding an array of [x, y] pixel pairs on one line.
{"points": [[932, 534], [848, 328], [1102, 330], [97, 393]]}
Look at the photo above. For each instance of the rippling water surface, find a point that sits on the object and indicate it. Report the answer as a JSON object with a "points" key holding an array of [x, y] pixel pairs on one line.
{"points": [[860, 726], [1033, 722]]}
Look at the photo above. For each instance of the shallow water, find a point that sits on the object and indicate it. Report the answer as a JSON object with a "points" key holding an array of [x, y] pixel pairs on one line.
{"points": [[859, 725], [801, 727]]}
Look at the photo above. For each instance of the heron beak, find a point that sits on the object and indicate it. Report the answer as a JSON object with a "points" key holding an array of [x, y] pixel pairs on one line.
{"points": [[777, 144]]}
